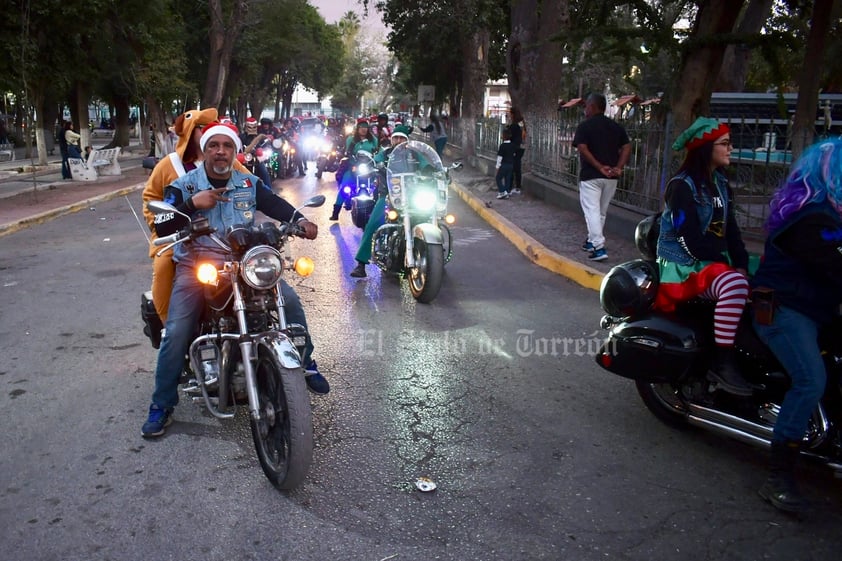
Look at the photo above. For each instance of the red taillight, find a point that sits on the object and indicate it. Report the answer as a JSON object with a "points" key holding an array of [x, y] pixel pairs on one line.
{"points": [[605, 360]]}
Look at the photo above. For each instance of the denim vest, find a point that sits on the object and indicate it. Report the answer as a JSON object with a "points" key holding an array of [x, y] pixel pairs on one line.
{"points": [[240, 208], [669, 248]]}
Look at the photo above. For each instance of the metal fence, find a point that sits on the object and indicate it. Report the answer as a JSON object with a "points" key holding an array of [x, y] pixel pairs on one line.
{"points": [[759, 162]]}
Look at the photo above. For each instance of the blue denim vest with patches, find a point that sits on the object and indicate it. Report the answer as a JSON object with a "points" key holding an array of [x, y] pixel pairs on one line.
{"points": [[669, 247], [240, 208]]}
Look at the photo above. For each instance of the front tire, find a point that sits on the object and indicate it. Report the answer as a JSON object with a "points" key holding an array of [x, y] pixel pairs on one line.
{"points": [[664, 402], [426, 277], [283, 437]]}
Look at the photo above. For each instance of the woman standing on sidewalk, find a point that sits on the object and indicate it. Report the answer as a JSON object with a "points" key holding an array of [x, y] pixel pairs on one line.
{"points": [[74, 149]]}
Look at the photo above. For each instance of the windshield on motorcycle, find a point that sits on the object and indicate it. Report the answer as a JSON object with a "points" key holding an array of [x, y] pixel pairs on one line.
{"points": [[416, 178]]}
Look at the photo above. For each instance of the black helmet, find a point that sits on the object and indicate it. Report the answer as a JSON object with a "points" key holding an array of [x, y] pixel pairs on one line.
{"points": [[265, 121], [383, 116], [646, 236], [629, 289]]}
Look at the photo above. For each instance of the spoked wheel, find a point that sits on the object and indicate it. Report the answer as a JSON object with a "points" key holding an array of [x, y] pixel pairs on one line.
{"points": [[283, 437], [425, 278], [664, 402]]}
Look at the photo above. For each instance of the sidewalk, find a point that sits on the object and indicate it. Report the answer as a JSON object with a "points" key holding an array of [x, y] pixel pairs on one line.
{"points": [[28, 198]]}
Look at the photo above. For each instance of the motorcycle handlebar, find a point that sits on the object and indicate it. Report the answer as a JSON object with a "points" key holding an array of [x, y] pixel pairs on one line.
{"points": [[172, 238]]}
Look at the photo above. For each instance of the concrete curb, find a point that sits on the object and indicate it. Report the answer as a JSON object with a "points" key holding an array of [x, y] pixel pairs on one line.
{"points": [[531, 248], [42, 217]]}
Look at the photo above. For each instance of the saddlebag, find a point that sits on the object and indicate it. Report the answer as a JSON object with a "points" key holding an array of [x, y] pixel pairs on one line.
{"points": [[153, 325], [361, 210], [653, 349]]}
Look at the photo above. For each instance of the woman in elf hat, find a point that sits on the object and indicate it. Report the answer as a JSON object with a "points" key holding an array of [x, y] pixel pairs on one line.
{"points": [[700, 249], [362, 139]]}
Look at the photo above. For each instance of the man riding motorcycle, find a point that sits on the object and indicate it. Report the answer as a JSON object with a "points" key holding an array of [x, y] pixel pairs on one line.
{"points": [[290, 132], [251, 140], [378, 213], [226, 197]]}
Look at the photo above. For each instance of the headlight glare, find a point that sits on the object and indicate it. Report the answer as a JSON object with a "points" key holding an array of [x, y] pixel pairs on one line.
{"points": [[207, 274], [304, 266], [424, 200]]}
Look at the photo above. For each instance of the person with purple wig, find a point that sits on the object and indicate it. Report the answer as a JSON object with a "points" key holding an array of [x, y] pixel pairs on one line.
{"points": [[801, 277]]}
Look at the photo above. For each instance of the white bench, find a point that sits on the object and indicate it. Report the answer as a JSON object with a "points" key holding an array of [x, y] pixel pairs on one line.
{"points": [[8, 149], [100, 162]]}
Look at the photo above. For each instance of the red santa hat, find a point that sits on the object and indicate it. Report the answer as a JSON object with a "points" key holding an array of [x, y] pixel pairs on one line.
{"points": [[220, 128]]}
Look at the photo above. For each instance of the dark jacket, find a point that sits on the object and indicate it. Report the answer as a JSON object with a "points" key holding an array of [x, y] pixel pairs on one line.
{"points": [[802, 262]]}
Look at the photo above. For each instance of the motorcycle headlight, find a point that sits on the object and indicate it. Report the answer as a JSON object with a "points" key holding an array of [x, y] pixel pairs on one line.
{"points": [[363, 169], [262, 267], [327, 146], [311, 142], [424, 200]]}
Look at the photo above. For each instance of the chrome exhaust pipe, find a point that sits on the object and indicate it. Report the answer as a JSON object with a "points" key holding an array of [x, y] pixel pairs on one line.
{"points": [[747, 432], [730, 425]]}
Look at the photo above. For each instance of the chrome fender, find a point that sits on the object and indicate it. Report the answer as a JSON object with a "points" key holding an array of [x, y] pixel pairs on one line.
{"points": [[281, 346], [428, 233]]}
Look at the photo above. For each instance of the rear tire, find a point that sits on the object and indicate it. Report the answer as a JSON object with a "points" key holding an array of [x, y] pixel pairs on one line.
{"points": [[283, 437], [425, 279], [664, 402]]}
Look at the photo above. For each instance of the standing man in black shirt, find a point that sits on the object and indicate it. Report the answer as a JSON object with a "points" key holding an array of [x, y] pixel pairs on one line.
{"points": [[604, 150]]}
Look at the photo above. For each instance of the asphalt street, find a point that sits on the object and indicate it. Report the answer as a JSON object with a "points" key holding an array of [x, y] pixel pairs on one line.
{"points": [[491, 391]]}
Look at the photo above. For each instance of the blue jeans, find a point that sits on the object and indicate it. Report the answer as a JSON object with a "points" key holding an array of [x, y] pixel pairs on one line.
{"points": [[504, 177], [793, 338], [186, 305]]}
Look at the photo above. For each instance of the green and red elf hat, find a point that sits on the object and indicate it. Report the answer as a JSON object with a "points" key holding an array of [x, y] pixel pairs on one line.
{"points": [[702, 131]]}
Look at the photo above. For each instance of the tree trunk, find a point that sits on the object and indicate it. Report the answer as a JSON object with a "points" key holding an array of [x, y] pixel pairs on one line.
{"points": [[38, 104], [223, 35], [533, 58], [82, 101], [121, 123], [734, 71], [157, 118], [702, 60], [804, 121], [475, 74]]}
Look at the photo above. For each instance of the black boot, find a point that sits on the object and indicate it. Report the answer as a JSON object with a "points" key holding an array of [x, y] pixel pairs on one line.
{"points": [[780, 489], [336, 209], [359, 271], [725, 372]]}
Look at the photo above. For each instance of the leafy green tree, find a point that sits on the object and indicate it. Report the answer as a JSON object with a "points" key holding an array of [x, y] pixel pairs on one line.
{"points": [[356, 77]]}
